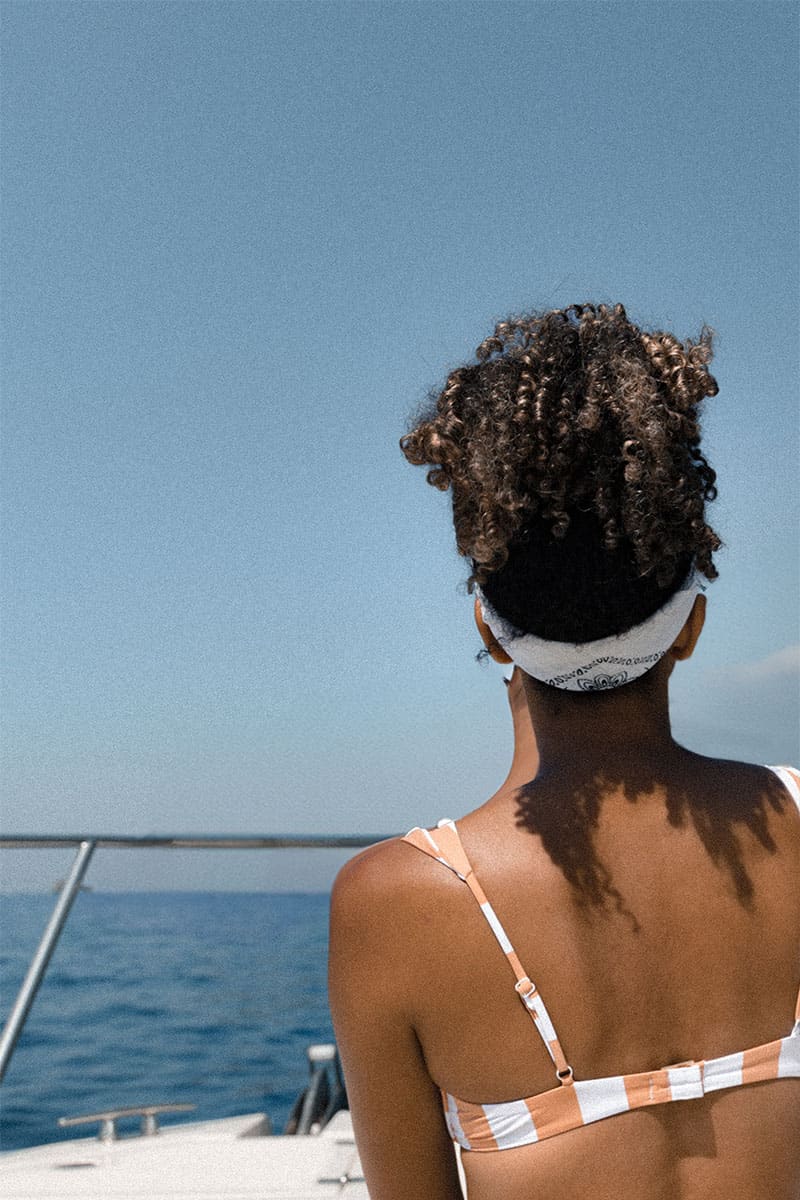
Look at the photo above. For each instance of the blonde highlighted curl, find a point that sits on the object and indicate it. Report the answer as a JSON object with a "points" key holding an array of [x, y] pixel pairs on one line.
{"points": [[576, 410]]}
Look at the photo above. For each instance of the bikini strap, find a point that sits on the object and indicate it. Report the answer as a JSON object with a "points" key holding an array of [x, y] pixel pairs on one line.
{"points": [[444, 844], [790, 778]]}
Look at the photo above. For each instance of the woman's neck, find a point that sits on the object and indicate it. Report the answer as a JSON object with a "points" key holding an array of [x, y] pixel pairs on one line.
{"points": [[584, 730]]}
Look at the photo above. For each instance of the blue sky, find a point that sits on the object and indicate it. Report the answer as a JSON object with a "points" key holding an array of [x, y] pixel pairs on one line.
{"points": [[241, 241]]}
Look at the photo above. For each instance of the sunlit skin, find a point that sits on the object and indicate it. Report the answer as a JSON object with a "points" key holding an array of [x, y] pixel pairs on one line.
{"points": [[422, 998], [525, 759]]}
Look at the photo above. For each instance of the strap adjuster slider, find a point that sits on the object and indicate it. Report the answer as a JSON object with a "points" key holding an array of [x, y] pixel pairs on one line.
{"points": [[526, 990]]}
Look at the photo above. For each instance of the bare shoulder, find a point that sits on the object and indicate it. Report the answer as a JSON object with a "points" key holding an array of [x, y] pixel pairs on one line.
{"points": [[374, 874], [391, 878], [381, 910], [375, 868], [373, 981]]}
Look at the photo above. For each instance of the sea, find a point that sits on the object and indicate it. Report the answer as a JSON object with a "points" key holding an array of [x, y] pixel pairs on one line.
{"points": [[160, 998]]}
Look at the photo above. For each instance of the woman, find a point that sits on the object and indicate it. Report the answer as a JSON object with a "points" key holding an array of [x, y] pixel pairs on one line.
{"points": [[651, 893]]}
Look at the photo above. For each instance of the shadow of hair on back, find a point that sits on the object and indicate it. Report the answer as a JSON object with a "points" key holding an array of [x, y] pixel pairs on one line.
{"points": [[566, 815]]}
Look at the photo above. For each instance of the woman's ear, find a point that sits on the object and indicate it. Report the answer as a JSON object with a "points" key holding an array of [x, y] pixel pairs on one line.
{"points": [[684, 644], [491, 643]]}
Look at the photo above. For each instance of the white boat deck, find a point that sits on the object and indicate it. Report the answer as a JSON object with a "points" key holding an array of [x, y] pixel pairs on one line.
{"points": [[196, 1160]]}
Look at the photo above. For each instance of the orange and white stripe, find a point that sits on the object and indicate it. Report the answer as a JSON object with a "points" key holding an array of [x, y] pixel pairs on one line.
{"points": [[517, 1122], [573, 1103], [445, 846]]}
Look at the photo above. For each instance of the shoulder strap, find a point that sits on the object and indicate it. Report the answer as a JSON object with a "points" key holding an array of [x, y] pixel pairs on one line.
{"points": [[790, 778], [444, 844]]}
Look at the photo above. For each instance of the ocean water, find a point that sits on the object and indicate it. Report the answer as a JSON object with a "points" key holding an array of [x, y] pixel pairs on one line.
{"points": [[152, 998]]}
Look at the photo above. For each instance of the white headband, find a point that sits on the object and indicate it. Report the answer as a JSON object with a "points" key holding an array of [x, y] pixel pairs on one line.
{"points": [[607, 663]]}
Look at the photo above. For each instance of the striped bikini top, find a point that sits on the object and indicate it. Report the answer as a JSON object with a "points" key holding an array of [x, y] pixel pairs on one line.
{"points": [[576, 1102]]}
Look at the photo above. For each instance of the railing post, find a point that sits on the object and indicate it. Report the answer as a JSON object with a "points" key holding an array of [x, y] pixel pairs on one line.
{"points": [[30, 984]]}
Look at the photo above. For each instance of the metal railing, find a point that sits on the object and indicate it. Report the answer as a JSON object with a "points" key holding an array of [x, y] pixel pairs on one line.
{"points": [[86, 845]]}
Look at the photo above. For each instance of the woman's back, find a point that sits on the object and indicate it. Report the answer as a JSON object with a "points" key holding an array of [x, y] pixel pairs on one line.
{"points": [[697, 959]]}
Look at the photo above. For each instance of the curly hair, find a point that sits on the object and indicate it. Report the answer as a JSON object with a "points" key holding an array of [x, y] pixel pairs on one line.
{"points": [[572, 448]]}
